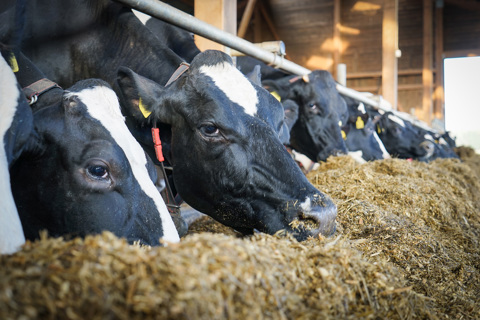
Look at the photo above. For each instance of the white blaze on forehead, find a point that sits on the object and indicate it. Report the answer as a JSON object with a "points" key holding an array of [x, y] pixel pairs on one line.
{"points": [[142, 16], [385, 154], [443, 141], [11, 232], [361, 108], [396, 120], [102, 104], [234, 84]]}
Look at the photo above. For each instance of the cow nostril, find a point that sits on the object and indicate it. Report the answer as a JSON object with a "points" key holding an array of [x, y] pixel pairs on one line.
{"points": [[306, 222]]}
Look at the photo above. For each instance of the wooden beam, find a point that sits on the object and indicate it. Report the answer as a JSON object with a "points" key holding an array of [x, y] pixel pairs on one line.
{"points": [[257, 26], [427, 74], [269, 21], [465, 4], [247, 15], [462, 53], [336, 36], [219, 13], [389, 50], [378, 74], [439, 96]]}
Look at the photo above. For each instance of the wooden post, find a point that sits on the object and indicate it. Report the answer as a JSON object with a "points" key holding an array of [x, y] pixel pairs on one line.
{"points": [[247, 15], [439, 111], [219, 13], [389, 50], [427, 73], [336, 36], [269, 21]]}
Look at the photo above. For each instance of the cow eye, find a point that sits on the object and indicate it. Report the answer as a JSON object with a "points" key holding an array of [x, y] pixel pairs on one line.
{"points": [[209, 130], [97, 171], [312, 106]]}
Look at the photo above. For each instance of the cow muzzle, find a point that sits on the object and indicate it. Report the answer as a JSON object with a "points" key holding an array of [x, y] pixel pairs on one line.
{"points": [[315, 216]]}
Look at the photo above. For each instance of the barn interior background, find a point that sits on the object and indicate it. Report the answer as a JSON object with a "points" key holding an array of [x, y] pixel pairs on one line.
{"points": [[394, 48], [407, 244]]}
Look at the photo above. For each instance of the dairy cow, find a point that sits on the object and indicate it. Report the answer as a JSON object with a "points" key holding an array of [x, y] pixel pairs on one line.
{"points": [[16, 124], [221, 131], [316, 133], [81, 171], [360, 134], [401, 138]]}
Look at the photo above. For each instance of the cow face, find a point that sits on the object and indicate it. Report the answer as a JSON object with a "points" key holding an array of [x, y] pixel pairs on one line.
{"points": [[316, 133], [228, 160], [401, 139], [85, 173], [360, 134]]}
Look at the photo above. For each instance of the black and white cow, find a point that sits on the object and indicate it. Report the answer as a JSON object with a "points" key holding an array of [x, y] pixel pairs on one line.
{"points": [[401, 138], [360, 133], [442, 148], [221, 130], [242, 182], [316, 133], [81, 171], [16, 124]]}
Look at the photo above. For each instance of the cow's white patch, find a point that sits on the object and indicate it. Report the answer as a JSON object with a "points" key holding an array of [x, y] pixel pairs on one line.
{"points": [[396, 119], [234, 84], [361, 108], [305, 161], [102, 104], [306, 205], [385, 154], [443, 142], [357, 156], [429, 137], [11, 232], [142, 16]]}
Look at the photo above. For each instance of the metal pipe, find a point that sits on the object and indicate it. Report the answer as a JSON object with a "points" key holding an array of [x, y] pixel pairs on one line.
{"points": [[183, 20]]}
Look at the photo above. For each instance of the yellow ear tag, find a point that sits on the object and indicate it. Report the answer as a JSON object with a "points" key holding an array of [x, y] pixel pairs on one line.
{"points": [[12, 61], [359, 124], [276, 95], [142, 108], [344, 135]]}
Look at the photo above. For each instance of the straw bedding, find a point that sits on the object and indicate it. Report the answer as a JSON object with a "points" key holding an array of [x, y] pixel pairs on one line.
{"points": [[406, 247]]}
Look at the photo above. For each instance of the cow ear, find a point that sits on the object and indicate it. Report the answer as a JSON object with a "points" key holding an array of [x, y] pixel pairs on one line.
{"points": [[255, 76], [142, 98], [291, 113]]}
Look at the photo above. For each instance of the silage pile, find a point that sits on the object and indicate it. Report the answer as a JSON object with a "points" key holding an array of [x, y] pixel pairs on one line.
{"points": [[406, 248]]}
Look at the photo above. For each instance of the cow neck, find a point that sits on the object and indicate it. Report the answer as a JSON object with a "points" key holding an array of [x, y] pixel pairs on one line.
{"points": [[33, 81], [172, 206]]}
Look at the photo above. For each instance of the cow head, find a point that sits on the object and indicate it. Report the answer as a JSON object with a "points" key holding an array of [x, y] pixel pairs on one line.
{"points": [[402, 139], [82, 172], [316, 133], [228, 160], [360, 134]]}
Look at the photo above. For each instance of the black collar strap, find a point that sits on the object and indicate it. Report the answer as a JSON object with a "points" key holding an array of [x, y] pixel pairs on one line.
{"points": [[33, 91]]}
